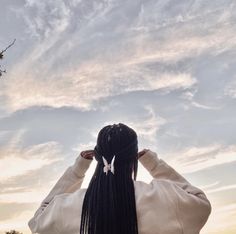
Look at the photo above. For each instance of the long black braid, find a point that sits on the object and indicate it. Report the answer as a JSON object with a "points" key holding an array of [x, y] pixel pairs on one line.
{"points": [[109, 203]]}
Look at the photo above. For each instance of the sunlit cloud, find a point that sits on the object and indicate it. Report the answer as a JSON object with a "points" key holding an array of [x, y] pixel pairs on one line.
{"points": [[13, 209], [216, 187], [208, 186], [194, 159], [26, 197], [20, 166], [19, 222], [88, 83], [16, 165], [61, 81], [222, 188], [16, 160], [222, 219]]}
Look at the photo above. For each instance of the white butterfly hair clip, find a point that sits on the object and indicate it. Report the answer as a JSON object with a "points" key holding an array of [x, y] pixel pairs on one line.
{"points": [[107, 166]]}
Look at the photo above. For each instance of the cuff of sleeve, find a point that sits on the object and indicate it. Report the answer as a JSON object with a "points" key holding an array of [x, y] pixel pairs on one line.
{"points": [[81, 165], [149, 160], [32, 225]]}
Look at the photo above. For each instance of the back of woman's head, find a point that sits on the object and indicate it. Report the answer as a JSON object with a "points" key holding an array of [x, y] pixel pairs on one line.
{"points": [[109, 202]]}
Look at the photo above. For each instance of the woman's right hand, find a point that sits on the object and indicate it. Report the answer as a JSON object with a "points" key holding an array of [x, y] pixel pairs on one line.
{"points": [[88, 154], [142, 152]]}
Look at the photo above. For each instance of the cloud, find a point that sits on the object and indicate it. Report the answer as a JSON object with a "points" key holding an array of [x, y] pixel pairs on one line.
{"points": [[13, 209], [222, 219], [49, 17], [214, 187], [194, 159], [230, 89], [35, 196], [17, 160], [90, 82], [17, 223], [3, 134], [208, 186], [146, 127], [149, 127], [117, 57], [221, 188], [189, 96], [79, 60], [84, 146], [28, 174]]}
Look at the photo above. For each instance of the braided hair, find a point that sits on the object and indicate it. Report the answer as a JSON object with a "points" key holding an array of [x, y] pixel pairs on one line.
{"points": [[109, 204]]}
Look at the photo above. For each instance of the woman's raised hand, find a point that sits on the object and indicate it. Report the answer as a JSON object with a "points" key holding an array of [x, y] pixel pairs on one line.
{"points": [[142, 152], [88, 154]]}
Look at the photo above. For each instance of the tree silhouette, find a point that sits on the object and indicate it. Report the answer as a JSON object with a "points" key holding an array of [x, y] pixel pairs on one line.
{"points": [[13, 232], [1, 56]]}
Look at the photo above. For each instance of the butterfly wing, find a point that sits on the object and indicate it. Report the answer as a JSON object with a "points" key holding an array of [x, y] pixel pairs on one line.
{"points": [[112, 164], [106, 166]]}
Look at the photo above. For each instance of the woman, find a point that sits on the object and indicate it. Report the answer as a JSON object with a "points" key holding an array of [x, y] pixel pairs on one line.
{"points": [[114, 202]]}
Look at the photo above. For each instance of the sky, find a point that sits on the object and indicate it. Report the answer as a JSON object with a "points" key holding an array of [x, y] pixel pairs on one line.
{"points": [[165, 68]]}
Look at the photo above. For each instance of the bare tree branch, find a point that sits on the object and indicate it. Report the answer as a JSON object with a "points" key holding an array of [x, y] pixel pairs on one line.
{"points": [[3, 51], [1, 56]]}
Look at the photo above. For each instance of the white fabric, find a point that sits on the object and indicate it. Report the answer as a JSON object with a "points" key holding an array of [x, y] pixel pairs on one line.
{"points": [[169, 204]]}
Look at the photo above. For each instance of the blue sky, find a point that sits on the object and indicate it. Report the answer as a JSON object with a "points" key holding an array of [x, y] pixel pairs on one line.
{"points": [[165, 68]]}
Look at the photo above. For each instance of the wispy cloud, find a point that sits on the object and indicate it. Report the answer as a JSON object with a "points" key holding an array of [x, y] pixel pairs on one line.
{"points": [[222, 220], [20, 166], [194, 159], [17, 223], [39, 24], [89, 82], [16, 160], [230, 89], [67, 68], [148, 128], [189, 95], [217, 187], [208, 186], [12, 209], [222, 188]]}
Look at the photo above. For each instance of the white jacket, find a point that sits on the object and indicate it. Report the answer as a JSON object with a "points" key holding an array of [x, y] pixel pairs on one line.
{"points": [[169, 204]]}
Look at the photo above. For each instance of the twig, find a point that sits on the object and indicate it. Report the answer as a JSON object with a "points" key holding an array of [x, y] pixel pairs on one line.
{"points": [[1, 56], [1, 53], [1, 71]]}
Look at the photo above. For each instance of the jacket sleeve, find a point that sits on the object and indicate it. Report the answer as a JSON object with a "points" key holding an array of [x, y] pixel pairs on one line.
{"points": [[45, 218], [193, 207]]}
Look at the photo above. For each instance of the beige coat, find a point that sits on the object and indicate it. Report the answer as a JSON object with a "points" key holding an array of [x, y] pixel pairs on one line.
{"points": [[169, 204]]}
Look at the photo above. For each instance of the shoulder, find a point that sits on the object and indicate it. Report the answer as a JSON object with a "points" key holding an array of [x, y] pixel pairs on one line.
{"points": [[159, 189], [71, 210], [70, 206], [58, 216], [156, 196], [155, 205], [71, 201]]}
